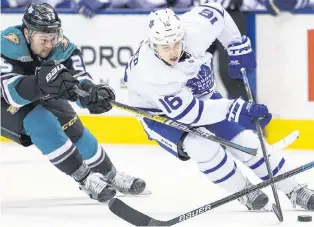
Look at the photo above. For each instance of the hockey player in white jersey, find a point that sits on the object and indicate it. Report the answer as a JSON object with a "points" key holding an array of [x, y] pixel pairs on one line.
{"points": [[171, 74]]}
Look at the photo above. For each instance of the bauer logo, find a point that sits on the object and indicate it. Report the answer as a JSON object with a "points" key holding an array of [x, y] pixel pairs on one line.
{"points": [[194, 213], [310, 35], [54, 72]]}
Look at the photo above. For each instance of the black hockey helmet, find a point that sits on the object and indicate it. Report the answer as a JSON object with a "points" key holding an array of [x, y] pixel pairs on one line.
{"points": [[42, 17]]}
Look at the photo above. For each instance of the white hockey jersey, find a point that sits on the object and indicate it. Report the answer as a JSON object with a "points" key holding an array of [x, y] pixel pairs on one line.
{"points": [[183, 91]]}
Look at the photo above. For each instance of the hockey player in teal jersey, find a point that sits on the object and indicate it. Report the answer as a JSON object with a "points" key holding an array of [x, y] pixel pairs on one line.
{"points": [[39, 69]]}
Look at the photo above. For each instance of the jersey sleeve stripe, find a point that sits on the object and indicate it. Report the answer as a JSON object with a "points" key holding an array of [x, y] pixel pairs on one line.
{"points": [[8, 84], [186, 111], [5, 77], [83, 76], [200, 111]]}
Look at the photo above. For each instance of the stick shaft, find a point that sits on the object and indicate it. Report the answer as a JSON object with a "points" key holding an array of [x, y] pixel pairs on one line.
{"points": [[175, 124]]}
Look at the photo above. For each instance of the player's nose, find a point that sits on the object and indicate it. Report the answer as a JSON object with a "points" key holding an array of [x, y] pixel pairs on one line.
{"points": [[49, 44]]}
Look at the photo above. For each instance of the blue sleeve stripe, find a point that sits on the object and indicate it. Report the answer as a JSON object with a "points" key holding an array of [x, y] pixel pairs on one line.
{"points": [[12, 93], [220, 12], [200, 111], [186, 111]]}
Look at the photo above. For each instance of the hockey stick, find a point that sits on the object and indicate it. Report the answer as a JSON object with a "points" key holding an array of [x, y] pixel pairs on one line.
{"points": [[276, 207], [9, 131], [137, 218], [175, 124], [285, 142]]}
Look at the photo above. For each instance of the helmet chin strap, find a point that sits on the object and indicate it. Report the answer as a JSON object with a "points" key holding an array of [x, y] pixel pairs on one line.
{"points": [[29, 35]]}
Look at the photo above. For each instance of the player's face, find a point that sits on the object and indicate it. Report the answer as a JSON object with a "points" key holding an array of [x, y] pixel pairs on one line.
{"points": [[170, 53], [43, 43]]}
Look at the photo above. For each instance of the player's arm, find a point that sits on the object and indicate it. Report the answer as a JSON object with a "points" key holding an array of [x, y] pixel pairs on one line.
{"points": [[51, 80], [208, 22], [212, 22], [215, 23], [240, 53], [76, 65], [92, 102], [228, 31], [17, 88], [183, 107]]}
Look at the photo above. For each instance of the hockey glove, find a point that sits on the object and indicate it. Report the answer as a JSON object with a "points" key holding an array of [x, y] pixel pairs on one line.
{"points": [[55, 81], [240, 56], [98, 100], [244, 113]]}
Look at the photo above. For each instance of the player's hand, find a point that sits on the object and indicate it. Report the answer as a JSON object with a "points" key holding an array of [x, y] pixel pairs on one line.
{"points": [[55, 81], [244, 113], [88, 8], [275, 6], [240, 56], [98, 100]]}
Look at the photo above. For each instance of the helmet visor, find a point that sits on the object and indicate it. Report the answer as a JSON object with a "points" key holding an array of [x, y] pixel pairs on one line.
{"points": [[46, 38]]}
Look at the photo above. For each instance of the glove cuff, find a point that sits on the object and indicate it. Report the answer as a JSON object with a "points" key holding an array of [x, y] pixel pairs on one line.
{"points": [[240, 48], [235, 108]]}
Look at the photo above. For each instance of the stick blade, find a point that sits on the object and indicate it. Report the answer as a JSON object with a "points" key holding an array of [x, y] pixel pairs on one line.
{"points": [[277, 212], [128, 214]]}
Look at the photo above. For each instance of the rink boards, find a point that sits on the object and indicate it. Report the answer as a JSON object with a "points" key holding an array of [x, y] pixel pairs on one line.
{"points": [[285, 74]]}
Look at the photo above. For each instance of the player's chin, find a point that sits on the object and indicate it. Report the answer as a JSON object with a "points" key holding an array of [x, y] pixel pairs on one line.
{"points": [[44, 54], [173, 61]]}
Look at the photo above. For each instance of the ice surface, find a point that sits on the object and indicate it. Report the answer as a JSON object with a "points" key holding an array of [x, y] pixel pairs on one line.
{"points": [[35, 194]]}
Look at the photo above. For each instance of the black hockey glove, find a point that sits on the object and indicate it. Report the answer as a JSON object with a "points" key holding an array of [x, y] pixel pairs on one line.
{"points": [[55, 81], [98, 100]]}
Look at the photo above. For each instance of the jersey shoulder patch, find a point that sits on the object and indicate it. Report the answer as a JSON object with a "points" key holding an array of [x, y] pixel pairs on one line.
{"points": [[13, 44], [63, 51], [12, 37]]}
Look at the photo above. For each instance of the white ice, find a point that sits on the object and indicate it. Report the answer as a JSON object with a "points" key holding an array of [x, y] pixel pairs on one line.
{"points": [[35, 194]]}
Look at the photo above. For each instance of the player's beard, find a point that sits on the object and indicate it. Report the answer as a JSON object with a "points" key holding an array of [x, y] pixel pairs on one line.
{"points": [[45, 53]]}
